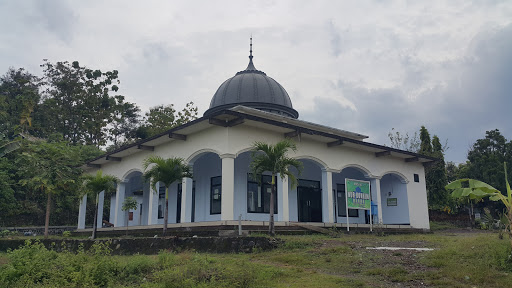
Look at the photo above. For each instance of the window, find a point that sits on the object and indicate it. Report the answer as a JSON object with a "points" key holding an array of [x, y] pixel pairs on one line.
{"points": [[416, 178], [161, 201], [258, 197], [215, 195], [342, 206]]}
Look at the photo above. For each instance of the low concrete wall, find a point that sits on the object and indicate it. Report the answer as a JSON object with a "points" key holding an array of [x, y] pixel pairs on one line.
{"points": [[151, 246], [39, 230]]}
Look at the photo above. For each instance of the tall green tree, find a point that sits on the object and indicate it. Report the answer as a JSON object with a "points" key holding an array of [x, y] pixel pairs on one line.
{"points": [[486, 156], [274, 159], [436, 178], [129, 203], [93, 185], [77, 102], [50, 169], [19, 95], [425, 143], [166, 171]]}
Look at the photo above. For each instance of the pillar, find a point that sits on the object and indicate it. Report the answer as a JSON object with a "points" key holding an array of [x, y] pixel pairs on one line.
{"points": [[228, 187], [186, 200], [81, 212], [151, 207], [101, 201], [119, 219], [327, 199], [375, 185], [282, 199]]}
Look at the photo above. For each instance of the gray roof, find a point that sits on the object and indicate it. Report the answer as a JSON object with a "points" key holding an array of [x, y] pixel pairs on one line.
{"points": [[252, 88]]}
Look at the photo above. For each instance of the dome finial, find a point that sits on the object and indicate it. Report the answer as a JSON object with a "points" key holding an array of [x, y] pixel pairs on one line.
{"points": [[251, 65]]}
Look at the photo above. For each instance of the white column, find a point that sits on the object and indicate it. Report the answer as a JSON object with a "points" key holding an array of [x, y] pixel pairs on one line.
{"points": [[151, 199], [101, 201], [282, 199], [186, 200], [327, 201], [375, 184], [81, 212], [228, 187], [119, 220]]}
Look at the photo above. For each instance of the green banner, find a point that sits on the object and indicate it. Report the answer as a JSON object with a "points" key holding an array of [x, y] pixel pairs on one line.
{"points": [[358, 194]]}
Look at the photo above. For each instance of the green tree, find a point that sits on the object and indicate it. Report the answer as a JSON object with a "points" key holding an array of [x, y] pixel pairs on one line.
{"points": [[436, 178], [19, 95], [274, 159], [486, 156], [162, 118], [77, 102], [425, 143], [93, 185], [129, 203], [166, 171], [49, 168]]}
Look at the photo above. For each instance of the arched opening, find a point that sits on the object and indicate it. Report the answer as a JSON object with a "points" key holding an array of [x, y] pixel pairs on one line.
{"points": [[306, 200], [395, 205], [355, 216], [206, 192], [138, 189]]}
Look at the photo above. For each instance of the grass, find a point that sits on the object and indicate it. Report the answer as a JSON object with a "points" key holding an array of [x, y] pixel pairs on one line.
{"points": [[459, 260]]}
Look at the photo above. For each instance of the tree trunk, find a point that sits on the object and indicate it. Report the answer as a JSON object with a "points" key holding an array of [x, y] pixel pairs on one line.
{"points": [[166, 214], [271, 229], [95, 223], [47, 220]]}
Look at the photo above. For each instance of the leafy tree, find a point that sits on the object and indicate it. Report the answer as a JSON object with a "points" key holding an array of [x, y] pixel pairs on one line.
{"points": [[475, 189], [93, 185], [425, 143], [129, 204], [77, 102], [485, 158], [162, 118], [274, 159], [19, 94], [125, 121], [436, 177], [166, 171], [49, 168]]}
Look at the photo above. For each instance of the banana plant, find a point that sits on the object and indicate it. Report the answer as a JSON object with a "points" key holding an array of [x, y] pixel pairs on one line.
{"points": [[7, 146], [474, 189]]}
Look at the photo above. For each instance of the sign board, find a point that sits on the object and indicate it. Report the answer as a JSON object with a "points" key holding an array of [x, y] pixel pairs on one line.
{"points": [[358, 194], [392, 202]]}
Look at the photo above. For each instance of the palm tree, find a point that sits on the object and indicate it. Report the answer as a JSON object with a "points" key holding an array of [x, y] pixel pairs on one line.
{"points": [[93, 185], [166, 171], [273, 159]]}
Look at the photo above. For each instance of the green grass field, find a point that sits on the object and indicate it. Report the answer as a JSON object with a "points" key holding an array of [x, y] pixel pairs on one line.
{"points": [[461, 259]]}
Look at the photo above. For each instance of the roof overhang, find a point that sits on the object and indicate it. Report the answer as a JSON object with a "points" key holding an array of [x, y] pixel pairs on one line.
{"points": [[240, 115]]}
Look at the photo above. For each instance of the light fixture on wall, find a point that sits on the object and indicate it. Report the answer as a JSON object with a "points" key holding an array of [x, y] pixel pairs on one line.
{"points": [[389, 193]]}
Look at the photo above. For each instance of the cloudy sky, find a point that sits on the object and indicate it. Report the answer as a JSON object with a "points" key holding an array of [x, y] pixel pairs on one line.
{"points": [[362, 66]]}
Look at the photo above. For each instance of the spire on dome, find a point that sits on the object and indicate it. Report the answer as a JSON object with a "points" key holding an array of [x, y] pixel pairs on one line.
{"points": [[251, 65]]}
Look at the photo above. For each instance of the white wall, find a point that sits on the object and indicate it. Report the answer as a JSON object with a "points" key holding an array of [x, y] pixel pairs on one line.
{"points": [[394, 214]]}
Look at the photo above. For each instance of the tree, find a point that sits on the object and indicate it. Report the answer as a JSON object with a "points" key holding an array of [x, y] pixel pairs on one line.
{"points": [[19, 94], [129, 204], [436, 177], [50, 168], [93, 185], [166, 171], [273, 159], [77, 102], [404, 142], [162, 118], [485, 158], [425, 144], [475, 189]]}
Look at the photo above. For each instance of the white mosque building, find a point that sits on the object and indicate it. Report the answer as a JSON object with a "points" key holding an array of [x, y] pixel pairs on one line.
{"points": [[249, 107]]}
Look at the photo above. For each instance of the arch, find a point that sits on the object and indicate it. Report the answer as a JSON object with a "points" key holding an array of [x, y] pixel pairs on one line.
{"points": [[361, 168], [317, 161], [241, 151], [194, 156], [129, 172], [399, 175]]}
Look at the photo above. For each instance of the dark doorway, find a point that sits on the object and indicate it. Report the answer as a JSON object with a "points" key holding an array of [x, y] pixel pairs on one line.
{"points": [[178, 204], [309, 199]]}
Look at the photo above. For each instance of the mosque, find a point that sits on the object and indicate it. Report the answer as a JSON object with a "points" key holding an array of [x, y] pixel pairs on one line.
{"points": [[249, 107]]}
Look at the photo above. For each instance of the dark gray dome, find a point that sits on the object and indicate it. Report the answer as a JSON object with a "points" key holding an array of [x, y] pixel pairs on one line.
{"points": [[252, 88]]}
